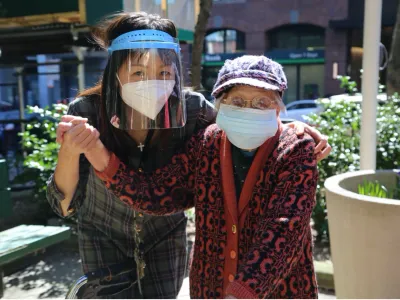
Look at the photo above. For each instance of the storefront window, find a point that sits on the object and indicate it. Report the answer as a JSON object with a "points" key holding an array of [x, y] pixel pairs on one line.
{"points": [[299, 48], [311, 81], [305, 82], [8, 89], [291, 76], [230, 40], [215, 42], [224, 41], [296, 36]]}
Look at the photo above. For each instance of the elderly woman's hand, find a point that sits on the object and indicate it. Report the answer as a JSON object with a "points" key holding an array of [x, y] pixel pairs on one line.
{"points": [[323, 148], [66, 123]]}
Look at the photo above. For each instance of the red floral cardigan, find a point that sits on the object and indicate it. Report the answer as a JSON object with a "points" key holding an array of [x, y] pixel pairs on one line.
{"points": [[258, 246]]}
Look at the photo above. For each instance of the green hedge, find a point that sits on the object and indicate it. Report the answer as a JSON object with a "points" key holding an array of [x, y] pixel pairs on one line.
{"points": [[341, 122]]}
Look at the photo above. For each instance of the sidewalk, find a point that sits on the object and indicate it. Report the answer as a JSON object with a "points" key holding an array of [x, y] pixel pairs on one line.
{"points": [[54, 272], [184, 293]]}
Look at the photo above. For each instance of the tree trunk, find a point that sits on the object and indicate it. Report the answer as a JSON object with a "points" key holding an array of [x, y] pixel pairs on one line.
{"points": [[393, 71], [199, 34]]}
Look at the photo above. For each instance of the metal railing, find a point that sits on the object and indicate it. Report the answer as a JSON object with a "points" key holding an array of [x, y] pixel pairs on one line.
{"points": [[107, 281]]}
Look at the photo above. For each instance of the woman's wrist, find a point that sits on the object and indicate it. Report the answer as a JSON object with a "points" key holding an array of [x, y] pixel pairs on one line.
{"points": [[66, 154], [99, 157]]}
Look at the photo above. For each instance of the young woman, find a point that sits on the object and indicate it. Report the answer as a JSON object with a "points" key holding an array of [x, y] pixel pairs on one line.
{"points": [[108, 231], [253, 181]]}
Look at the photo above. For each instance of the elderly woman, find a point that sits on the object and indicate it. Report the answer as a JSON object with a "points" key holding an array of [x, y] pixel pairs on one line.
{"points": [[254, 182]]}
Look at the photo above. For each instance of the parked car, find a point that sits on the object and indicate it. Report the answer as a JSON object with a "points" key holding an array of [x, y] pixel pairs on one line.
{"points": [[5, 105], [297, 110]]}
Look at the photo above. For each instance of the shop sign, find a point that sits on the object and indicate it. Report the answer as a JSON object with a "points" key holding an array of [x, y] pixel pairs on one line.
{"points": [[211, 59], [297, 55]]}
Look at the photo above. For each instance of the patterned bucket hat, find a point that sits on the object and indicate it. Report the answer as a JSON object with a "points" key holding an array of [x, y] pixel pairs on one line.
{"points": [[257, 71]]}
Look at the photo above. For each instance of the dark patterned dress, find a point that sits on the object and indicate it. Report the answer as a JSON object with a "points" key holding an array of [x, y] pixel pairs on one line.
{"points": [[257, 246]]}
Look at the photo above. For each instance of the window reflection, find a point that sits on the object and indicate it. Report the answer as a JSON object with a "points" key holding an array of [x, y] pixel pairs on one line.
{"points": [[225, 41], [296, 37]]}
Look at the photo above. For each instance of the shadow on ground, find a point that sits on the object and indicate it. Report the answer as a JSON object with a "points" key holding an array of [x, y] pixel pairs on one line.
{"points": [[48, 275], [51, 274]]}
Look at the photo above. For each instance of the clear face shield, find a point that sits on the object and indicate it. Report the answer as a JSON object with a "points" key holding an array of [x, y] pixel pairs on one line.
{"points": [[144, 86]]}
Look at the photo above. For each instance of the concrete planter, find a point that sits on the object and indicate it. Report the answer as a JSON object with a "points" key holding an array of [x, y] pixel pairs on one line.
{"points": [[365, 237]]}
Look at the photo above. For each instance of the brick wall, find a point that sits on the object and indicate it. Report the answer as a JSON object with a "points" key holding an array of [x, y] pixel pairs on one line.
{"points": [[257, 17]]}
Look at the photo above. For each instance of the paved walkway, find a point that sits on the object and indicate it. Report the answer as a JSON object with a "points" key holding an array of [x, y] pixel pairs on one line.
{"points": [[49, 277], [184, 294], [53, 274]]}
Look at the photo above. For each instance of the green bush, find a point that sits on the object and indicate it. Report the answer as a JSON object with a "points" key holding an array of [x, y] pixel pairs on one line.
{"points": [[39, 144], [347, 84], [341, 122]]}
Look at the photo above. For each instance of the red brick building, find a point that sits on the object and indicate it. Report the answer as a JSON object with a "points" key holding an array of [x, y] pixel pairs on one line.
{"points": [[314, 40]]}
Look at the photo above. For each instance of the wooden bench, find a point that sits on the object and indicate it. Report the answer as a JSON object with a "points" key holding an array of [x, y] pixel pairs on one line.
{"points": [[20, 241]]}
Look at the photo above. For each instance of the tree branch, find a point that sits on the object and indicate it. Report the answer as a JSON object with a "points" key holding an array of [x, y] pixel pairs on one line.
{"points": [[199, 35]]}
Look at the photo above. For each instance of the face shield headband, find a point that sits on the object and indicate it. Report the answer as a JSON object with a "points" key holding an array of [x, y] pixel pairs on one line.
{"points": [[149, 38]]}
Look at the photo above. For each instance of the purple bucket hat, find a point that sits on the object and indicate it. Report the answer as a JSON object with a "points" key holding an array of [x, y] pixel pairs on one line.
{"points": [[257, 71]]}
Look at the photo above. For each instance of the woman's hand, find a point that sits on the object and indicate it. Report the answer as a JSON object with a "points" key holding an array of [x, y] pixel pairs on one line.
{"points": [[76, 137], [79, 139], [323, 148], [115, 121], [66, 123]]}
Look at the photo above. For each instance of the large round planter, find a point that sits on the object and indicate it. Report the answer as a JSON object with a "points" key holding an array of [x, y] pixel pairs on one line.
{"points": [[364, 236]]}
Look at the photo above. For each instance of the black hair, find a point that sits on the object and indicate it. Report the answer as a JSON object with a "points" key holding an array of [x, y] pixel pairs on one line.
{"points": [[104, 33]]}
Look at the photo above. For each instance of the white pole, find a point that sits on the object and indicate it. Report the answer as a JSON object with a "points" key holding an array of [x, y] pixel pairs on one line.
{"points": [[129, 5], [20, 75], [370, 77], [80, 54]]}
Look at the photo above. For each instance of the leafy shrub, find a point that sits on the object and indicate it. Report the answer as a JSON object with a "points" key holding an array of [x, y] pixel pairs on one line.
{"points": [[39, 143], [341, 122], [347, 84]]}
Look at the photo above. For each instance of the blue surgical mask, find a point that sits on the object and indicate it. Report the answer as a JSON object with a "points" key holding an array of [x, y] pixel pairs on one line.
{"points": [[247, 128]]}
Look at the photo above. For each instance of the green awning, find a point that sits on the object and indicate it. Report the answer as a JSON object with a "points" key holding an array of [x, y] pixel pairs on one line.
{"points": [[300, 61], [213, 63], [185, 35], [297, 56]]}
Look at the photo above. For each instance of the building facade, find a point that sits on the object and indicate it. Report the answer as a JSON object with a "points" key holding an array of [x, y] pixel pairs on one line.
{"points": [[314, 40], [45, 48]]}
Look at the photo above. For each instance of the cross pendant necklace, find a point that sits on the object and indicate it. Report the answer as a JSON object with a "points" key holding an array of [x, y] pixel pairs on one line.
{"points": [[141, 146]]}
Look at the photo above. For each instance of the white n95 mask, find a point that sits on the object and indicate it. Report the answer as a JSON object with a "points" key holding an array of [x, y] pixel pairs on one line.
{"points": [[147, 97], [247, 128]]}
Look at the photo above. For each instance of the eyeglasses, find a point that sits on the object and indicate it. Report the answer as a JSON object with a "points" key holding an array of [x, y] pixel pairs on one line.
{"points": [[261, 103]]}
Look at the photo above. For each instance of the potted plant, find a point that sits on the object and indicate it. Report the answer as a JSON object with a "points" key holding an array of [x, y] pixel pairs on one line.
{"points": [[363, 225], [360, 207]]}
